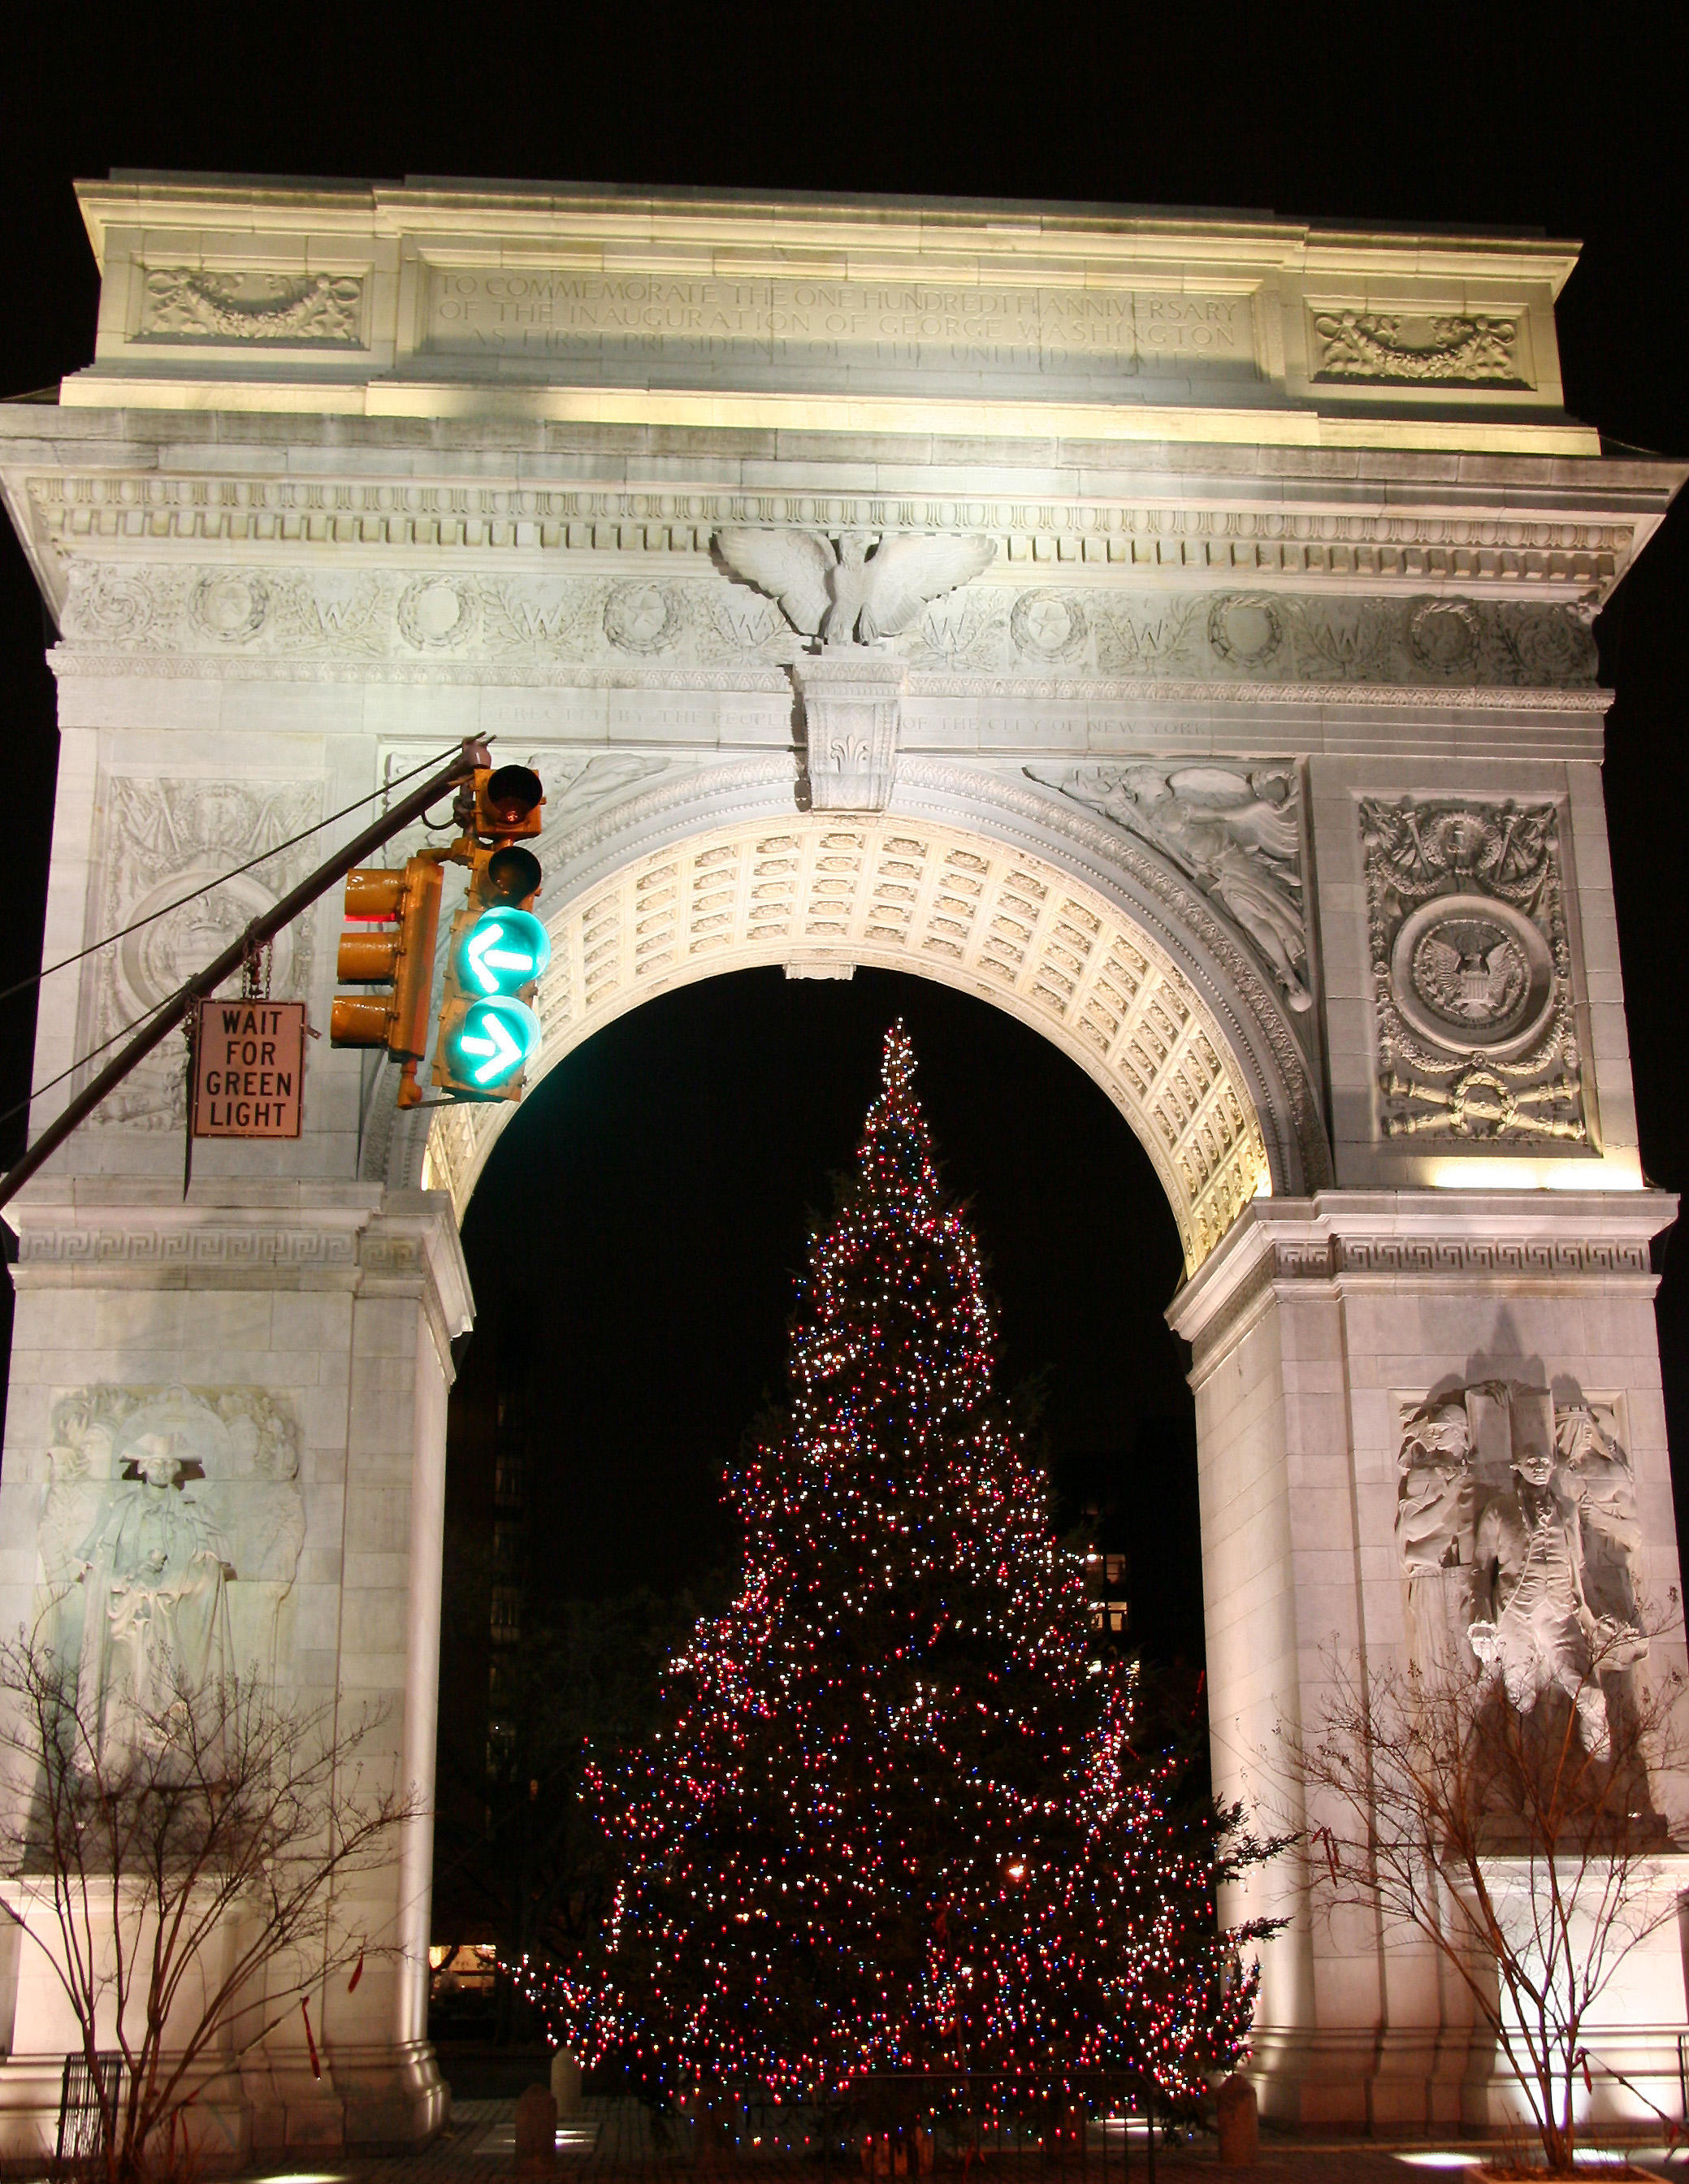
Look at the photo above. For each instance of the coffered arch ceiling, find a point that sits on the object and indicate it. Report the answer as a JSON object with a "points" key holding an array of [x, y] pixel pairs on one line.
{"points": [[1182, 1058]]}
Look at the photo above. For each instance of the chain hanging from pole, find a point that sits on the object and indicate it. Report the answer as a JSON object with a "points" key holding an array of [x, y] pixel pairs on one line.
{"points": [[255, 970]]}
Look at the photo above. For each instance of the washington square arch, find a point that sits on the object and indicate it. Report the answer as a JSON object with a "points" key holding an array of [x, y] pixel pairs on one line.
{"points": [[1174, 631]]}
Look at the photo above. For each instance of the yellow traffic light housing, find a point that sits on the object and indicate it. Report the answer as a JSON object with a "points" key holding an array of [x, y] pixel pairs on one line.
{"points": [[489, 1030], [504, 806], [397, 915]]}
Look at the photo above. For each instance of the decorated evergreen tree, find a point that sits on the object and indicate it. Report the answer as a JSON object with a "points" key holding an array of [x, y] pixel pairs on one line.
{"points": [[895, 1818]]}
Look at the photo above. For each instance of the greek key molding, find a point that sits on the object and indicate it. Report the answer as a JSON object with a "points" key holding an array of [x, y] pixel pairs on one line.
{"points": [[1392, 1256], [148, 1244], [73, 509], [1420, 1240], [1395, 1262]]}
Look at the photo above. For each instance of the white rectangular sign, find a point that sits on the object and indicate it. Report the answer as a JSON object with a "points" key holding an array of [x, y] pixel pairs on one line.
{"points": [[249, 1069]]}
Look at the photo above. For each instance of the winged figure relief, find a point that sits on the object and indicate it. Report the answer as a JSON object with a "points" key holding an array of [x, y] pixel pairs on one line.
{"points": [[846, 593]]}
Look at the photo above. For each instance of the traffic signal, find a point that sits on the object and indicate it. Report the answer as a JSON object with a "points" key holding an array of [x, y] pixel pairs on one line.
{"points": [[501, 804], [396, 916], [489, 1030]]}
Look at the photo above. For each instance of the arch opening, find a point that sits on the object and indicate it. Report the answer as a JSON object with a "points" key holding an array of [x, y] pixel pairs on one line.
{"points": [[820, 893]]}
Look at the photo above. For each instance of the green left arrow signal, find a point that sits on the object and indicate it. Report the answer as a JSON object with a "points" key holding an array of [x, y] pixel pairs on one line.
{"points": [[503, 951], [493, 1042]]}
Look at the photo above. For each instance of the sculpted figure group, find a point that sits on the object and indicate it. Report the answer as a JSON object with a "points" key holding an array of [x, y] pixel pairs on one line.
{"points": [[1517, 1522]]}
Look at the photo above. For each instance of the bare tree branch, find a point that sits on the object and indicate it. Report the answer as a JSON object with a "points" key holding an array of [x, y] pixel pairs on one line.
{"points": [[181, 1879], [1527, 1860]]}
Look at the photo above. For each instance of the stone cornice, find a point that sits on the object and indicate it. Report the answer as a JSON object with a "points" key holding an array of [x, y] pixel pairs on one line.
{"points": [[1559, 528], [150, 1245], [412, 1248], [1084, 543], [399, 1242], [633, 213], [1422, 1240]]}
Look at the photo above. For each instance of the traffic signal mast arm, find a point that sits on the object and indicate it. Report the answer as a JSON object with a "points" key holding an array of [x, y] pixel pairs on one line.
{"points": [[472, 760]]}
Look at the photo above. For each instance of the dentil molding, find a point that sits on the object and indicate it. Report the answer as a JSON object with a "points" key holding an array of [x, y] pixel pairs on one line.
{"points": [[76, 513]]}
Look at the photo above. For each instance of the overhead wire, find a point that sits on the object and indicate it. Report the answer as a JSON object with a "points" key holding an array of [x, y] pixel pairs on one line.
{"points": [[82, 1060], [234, 872], [93, 948]]}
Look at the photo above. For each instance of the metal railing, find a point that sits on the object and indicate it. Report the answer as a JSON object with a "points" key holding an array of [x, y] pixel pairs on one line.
{"points": [[86, 2101], [891, 2125]]}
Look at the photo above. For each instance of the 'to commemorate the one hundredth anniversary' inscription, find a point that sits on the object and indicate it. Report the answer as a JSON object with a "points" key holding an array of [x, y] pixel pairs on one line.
{"points": [[540, 312]]}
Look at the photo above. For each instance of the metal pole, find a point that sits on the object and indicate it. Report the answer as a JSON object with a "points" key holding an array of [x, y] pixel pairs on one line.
{"points": [[205, 982]]}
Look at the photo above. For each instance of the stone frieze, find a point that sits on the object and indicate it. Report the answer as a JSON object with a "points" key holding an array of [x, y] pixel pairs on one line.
{"points": [[688, 622]]}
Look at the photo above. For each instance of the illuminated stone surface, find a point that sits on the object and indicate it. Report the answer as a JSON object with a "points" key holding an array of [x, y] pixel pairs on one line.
{"points": [[1256, 763]]}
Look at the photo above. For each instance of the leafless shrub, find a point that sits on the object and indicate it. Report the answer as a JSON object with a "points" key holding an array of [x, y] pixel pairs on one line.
{"points": [[1529, 1860], [182, 1878]]}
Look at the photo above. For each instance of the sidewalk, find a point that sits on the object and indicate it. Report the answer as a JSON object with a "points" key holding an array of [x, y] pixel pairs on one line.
{"points": [[616, 2140]]}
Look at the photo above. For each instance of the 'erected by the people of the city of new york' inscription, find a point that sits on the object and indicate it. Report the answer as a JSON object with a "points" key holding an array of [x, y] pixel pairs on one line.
{"points": [[561, 316]]}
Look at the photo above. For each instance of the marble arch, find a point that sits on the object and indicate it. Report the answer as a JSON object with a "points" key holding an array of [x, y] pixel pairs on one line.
{"points": [[1017, 916], [1210, 679]]}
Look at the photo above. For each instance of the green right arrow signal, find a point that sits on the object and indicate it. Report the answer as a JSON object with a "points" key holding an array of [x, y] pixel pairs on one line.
{"points": [[493, 1042], [503, 951]]}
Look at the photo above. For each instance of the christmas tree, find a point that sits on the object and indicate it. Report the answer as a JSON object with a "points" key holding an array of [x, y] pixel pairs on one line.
{"points": [[895, 1818]]}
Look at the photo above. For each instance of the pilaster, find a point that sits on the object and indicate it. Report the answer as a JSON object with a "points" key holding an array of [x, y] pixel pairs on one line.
{"points": [[1312, 1326], [300, 1337]]}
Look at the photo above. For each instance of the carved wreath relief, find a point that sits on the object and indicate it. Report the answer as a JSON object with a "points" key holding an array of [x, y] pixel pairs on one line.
{"points": [[945, 616], [1471, 969], [170, 1535], [1235, 831], [1517, 1525], [168, 839]]}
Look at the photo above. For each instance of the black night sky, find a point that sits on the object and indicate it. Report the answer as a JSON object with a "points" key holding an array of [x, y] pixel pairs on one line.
{"points": [[639, 1227]]}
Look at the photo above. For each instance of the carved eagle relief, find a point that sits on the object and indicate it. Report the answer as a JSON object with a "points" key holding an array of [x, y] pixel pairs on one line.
{"points": [[1479, 985], [846, 593]]}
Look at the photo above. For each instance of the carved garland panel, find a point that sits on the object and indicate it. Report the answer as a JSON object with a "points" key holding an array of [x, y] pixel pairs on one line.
{"points": [[194, 303], [168, 848], [1408, 348], [993, 921], [1471, 971]]}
